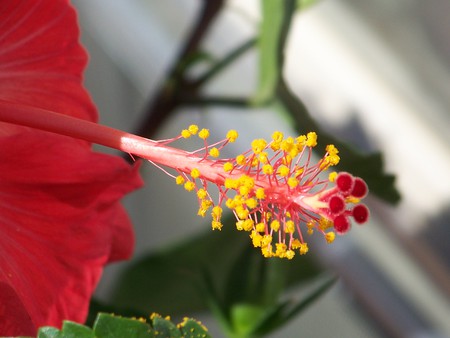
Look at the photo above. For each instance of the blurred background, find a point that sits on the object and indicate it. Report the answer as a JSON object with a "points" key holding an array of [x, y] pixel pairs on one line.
{"points": [[374, 73]]}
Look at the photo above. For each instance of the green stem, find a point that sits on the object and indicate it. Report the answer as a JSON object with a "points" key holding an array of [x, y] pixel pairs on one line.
{"points": [[223, 63]]}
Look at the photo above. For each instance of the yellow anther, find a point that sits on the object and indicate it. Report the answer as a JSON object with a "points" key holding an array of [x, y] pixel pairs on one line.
{"points": [[301, 140], [201, 193], [248, 225], [189, 186], [216, 212], [258, 145], [230, 203], [280, 249], [325, 223], [256, 239], [311, 139], [283, 171], [241, 212], [296, 244], [303, 248], [193, 129], [275, 225], [287, 144], [263, 157], [195, 173], [179, 180], [216, 225], [232, 135], [214, 152], [240, 159], [185, 133], [332, 176], [230, 183], [267, 169], [240, 225], [260, 194], [247, 181], [251, 203], [267, 251], [203, 134], [260, 227], [244, 190], [290, 254], [277, 136], [290, 227], [331, 149], [227, 167], [266, 240], [329, 237], [292, 182]]}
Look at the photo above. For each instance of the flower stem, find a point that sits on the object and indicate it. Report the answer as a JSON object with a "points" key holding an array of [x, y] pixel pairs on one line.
{"points": [[113, 138]]}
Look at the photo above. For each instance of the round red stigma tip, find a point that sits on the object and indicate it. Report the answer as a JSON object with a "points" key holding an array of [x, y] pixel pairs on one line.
{"points": [[360, 213], [341, 224], [359, 188], [336, 204], [345, 182]]}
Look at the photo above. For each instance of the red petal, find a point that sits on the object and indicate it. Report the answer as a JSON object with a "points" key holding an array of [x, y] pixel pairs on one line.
{"points": [[41, 60], [61, 223]]}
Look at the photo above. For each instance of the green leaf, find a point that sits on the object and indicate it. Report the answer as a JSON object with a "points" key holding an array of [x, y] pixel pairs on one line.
{"points": [[110, 326], [48, 332], [276, 19], [68, 330], [165, 328], [193, 329]]}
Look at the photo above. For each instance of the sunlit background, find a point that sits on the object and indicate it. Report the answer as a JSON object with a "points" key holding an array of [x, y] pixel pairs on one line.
{"points": [[376, 73]]}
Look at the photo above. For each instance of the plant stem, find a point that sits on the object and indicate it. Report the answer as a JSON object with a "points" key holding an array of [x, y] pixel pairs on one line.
{"points": [[151, 150]]}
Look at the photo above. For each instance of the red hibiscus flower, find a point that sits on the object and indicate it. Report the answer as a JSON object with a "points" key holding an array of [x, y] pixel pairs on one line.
{"points": [[60, 216]]}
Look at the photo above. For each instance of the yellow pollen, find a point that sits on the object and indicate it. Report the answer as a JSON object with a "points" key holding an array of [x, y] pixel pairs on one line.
{"points": [[311, 139], [331, 149], [266, 240], [232, 135], [283, 171], [277, 136], [251, 203], [289, 254], [260, 227], [193, 129], [329, 237], [203, 134], [290, 227], [240, 159], [267, 169], [296, 244], [332, 176], [214, 152], [275, 225], [185, 133], [195, 173], [216, 225], [258, 145], [227, 167], [189, 186], [201, 193], [303, 248], [260, 194], [351, 199], [292, 182], [263, 157], [179, 180]]}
